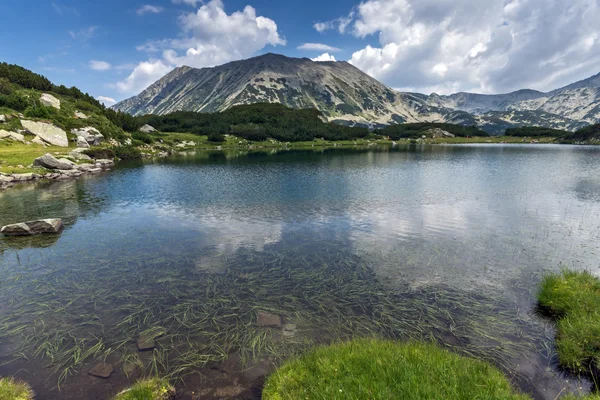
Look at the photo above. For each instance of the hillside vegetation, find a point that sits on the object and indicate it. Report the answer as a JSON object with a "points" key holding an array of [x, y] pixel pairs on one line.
{"points": [[414, 131]]}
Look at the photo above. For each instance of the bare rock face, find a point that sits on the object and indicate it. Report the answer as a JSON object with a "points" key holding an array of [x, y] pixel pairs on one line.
{"points": [[50, 101], [48, 132], [12, 135], [33, 227], [51, 162]]}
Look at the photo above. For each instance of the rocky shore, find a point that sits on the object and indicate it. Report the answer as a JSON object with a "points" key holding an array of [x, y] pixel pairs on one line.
{"points": [[57, 169]]}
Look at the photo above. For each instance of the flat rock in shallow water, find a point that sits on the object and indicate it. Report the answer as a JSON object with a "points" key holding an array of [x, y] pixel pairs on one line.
{"points": [[102, 370], [146, 343], [270, 320], [33, 227]]}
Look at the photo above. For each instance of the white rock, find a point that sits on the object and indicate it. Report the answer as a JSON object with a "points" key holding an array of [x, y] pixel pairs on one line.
{"points": [[12, 135], [49, 133], [90, 134], [147, 129], [2, 118], [50, 101], [82, 142], [80, 115], [38, 140]]}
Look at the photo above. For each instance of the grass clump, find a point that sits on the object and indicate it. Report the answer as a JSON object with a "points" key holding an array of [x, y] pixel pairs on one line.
{"points": [[573, 298], [11, 389], [377, 369], [148, 389]]}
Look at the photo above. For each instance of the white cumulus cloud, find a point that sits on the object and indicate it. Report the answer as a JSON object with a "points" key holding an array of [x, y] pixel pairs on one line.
{"points": [[209, 37], [99, 65], [107, 101], [485, 46], [143, 75], [149, 8], [318, 47], [324, 57]]}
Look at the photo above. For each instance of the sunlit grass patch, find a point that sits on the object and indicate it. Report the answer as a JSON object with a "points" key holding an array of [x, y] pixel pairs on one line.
{"points": [[11, 389], [573, 298], [148, 389], [377, 369]]}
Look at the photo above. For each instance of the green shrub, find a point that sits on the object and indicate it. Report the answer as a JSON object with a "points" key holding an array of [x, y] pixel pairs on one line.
{"points": [[148, 389], [14, 101], [128, 153], [6, 87], [216, 138], [573, 298], [376, 369], [10, 389], [100, 153], [143, 137]]}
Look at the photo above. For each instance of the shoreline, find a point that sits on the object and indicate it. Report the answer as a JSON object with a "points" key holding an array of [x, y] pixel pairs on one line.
{"points": [[13, 179]]}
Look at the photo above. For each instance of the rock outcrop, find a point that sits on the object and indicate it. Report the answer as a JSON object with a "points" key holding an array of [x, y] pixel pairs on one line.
{"points": [[33, 227], [50, 101], [80, 115], [49, 133], [82, 142], [90, 134], [50, 162]]}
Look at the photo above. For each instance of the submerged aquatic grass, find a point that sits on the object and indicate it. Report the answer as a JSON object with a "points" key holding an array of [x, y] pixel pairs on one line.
{"points": [[377, 369], [573, 298], [198, 316]]}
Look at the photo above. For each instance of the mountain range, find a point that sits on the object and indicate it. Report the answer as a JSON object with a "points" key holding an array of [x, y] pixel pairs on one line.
{"points": [[346, 95]]}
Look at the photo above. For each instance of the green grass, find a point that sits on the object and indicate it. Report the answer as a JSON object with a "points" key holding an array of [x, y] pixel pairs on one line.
{"points": [[11, 389], [148, 389], [573, 299], [376, 369], [14, 153]]}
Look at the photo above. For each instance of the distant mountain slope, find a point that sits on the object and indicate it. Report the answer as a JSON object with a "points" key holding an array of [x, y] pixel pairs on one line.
{"points": [[345, 94]]}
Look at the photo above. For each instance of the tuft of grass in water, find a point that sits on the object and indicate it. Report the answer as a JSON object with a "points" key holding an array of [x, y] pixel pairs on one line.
{"points": [[148, 389], [377, 369], [11, 389], [573, 298]]}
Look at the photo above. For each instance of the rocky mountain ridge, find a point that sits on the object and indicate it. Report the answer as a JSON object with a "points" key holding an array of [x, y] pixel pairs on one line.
{"points": [[345, 94]]}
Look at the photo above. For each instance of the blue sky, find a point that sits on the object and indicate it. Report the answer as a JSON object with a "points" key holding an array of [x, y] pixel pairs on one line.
{"points": [[115, 48]]}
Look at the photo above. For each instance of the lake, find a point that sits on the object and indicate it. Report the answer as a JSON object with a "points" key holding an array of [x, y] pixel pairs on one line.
{"points": [[444, 243]]}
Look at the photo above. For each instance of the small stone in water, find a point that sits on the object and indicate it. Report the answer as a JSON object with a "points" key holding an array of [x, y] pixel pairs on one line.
{"points": [[102, 370], [145, 343], [270, 320]]}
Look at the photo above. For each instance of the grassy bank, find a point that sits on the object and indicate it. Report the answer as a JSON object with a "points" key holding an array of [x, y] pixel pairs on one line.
{"points": [[573, 299], [11, 389], [376, 369], [148, 389]]}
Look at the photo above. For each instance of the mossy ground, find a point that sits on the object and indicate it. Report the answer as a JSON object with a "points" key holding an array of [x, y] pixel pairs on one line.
{"points": [[376, 369], [573, 298], [148, 389], [11, 389]]}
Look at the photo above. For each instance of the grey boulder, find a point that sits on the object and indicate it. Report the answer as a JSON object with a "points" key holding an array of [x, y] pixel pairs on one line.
{"points": [[50, 162], [147, 129], [50, 101], [33, 227]]}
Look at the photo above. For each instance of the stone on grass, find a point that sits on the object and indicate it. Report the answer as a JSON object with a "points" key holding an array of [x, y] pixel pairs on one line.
{"points": [[12, 135], [102, 370], [2, 118], [39, 141], [33, 227], [48, 132], [82, 143], [147, 129], [269, 320], [50, 101], [79, 154], [50, 162], [90, 134], [80, 115]]}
